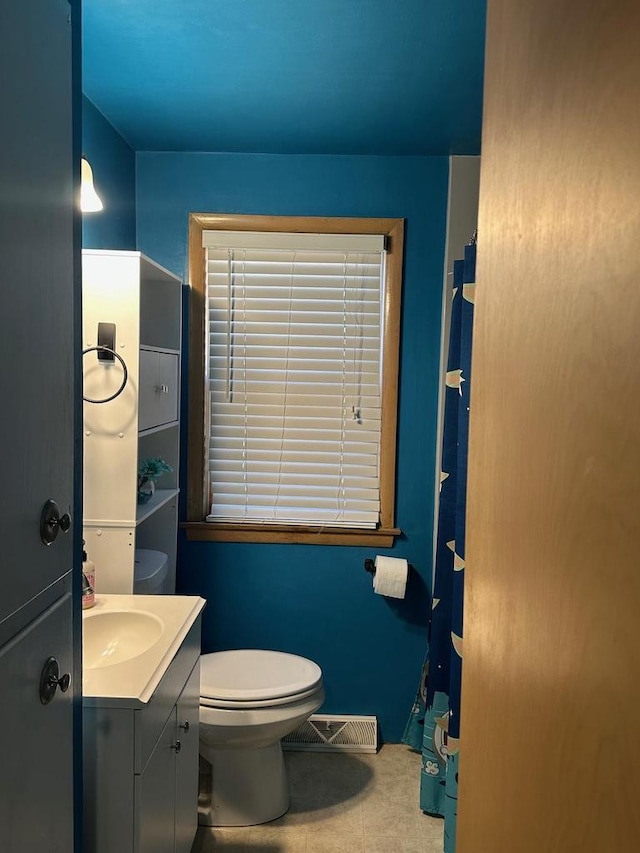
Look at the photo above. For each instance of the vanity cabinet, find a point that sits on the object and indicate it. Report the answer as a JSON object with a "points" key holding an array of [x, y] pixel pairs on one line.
{"points": [[142, 300], [166, 792], [141, 764]]}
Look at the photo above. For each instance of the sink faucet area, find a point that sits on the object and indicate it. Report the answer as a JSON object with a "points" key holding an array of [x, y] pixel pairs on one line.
{"points": [[130, 640]]}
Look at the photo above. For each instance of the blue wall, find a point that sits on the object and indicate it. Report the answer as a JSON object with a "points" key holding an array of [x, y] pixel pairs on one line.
{"points": [[317, 600], [114, 176]]}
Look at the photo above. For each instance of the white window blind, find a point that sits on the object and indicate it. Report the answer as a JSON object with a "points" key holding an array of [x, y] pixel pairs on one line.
{"points": [[295, 345]]}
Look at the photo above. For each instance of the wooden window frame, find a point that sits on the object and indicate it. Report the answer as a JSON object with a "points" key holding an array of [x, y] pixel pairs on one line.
{"points": [[198, 499]]}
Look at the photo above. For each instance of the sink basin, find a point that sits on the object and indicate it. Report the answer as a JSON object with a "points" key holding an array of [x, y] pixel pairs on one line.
{"points": [[114, 636]]}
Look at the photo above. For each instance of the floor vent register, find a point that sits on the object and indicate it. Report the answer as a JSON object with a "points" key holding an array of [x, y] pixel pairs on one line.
{"points": [[328, 732]]}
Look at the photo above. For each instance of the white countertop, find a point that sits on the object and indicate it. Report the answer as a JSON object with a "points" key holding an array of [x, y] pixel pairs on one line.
{"points": [[137, 678]]}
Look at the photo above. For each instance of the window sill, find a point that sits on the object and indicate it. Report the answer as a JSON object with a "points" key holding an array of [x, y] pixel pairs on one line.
{"points": [[206, 531]]}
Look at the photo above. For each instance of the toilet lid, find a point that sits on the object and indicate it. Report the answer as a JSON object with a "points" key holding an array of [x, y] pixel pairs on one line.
{"points": [[254, 674]]}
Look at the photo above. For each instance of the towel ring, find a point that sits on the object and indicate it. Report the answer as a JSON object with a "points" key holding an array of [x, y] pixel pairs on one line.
{"points": [[125, 373]]}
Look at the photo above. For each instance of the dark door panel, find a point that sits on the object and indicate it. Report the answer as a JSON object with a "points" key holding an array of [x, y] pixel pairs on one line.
{"points": [[36, 286], [36, 770]]}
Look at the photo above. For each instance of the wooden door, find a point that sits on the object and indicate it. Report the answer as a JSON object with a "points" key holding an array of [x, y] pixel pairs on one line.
{"points": [[550, 749], [36, 429]]}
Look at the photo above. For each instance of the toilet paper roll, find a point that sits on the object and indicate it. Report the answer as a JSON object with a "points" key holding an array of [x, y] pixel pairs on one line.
{"points": [[391, 576]]}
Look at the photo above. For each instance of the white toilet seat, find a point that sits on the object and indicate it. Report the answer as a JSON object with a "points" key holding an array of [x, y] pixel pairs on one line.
{"points": [[247, 704], [255, 678], [254, 718]]}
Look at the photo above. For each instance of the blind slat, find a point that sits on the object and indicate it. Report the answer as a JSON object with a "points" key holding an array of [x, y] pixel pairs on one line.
{"points": [[298, 417], [291, 321], [314, 518], [334, 400], [287, 241], [304, 495], [289, 479], [291, 512], [271, 287], [368, 352], [257, 445], [310, 332], [351, 433]]}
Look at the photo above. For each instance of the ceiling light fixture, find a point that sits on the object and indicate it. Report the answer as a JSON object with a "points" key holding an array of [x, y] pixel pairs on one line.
{"points": [[90, 201]]}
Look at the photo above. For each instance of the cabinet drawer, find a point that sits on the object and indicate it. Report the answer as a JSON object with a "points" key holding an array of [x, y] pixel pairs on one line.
{"points": [[158, 392], [151, 719]]}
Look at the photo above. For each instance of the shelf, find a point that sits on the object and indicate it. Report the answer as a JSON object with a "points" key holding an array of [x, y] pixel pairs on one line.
{"points": [[159, 428], [159, 499], [168, 350]]}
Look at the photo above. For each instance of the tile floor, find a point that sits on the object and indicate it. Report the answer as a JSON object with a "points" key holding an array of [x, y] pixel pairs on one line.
{"points": [[341, 803]]}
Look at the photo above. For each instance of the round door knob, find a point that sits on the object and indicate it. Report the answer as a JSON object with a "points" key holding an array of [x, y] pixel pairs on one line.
{"points": [[50, 680], [63, 682], [51, 522]]}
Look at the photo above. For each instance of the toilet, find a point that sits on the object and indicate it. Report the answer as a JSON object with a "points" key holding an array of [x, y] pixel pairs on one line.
{"points": [[149, 571], [249, 700]]}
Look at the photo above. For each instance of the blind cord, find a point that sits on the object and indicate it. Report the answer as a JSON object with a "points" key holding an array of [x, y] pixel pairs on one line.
{"points": [[245, 443], [286, 386]]}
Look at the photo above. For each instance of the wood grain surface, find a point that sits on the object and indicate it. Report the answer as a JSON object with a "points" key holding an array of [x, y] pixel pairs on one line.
{"points": [[550, 751]]}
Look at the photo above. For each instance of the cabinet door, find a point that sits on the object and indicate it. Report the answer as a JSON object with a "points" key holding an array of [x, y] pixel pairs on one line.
{"points": [[158, 401], [36, 769], [168, 382], [155, 795], [148, 400], [188, 718]]}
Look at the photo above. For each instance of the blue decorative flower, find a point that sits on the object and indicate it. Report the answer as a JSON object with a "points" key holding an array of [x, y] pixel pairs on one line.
{"points": [[151, 468]]}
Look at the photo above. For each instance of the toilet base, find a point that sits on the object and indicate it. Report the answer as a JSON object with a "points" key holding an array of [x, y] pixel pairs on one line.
{"points": [[246, 786]]}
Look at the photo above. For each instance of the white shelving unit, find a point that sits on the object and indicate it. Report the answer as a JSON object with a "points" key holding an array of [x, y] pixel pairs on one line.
{"points": [[143, 300]]}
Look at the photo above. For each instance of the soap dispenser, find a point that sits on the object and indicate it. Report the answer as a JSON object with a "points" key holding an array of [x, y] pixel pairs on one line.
{"points": [[88, 580]]}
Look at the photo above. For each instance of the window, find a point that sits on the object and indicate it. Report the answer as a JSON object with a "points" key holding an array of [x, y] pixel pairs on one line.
{"points": [[293, 378]]}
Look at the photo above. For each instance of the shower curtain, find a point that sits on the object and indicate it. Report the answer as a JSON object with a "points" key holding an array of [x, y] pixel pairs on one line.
{"points": [[434, 724]]}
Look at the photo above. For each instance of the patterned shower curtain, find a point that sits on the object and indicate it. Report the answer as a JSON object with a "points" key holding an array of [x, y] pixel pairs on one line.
{"points": [[434, 724]]}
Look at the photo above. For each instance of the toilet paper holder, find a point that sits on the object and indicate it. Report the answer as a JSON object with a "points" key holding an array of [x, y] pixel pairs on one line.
{"points": [[370, 566]]}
